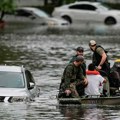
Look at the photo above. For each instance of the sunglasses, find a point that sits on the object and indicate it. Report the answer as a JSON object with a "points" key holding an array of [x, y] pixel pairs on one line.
{"points": [[92, 45]]}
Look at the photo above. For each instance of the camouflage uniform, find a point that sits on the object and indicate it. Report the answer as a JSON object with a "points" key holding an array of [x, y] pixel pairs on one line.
{"points": [[83, 66], [80, 87], [69, 79]]}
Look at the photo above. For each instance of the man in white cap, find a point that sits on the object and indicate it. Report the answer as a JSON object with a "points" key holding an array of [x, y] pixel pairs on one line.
{"points": [[100, 60]]}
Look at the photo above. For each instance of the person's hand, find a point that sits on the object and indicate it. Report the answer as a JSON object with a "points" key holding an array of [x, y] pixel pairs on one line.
{"points": [[98, 68], [85, 81], [104, 81], [68, 92]]}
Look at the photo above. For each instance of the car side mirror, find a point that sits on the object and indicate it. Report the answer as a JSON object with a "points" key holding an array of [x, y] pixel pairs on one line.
{"points": [[32, 85]]}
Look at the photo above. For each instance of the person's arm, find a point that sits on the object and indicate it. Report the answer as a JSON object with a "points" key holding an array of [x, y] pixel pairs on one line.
{"points": [[68, 79], [103, 80], [82, 78], [103, 59], [68, 76]]}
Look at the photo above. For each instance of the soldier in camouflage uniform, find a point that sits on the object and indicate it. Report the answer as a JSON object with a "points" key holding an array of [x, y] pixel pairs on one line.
{"points": [[69, 79], [80, 87], [79, 51]]}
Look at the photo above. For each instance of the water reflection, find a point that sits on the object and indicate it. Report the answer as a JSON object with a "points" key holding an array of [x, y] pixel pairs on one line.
{"points": [[81, 29], [72, 112], [88, 112]]}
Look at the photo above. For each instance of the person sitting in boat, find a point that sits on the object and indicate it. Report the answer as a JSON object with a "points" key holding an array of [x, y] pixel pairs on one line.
{"points": [[115, 77], [69, 79], [95, 82], [100, 60], [80, 51]]}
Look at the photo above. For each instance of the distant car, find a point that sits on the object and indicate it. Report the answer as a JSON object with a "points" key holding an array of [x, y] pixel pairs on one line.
{"points": [[17, 84], [31, 15], [87, 12]]}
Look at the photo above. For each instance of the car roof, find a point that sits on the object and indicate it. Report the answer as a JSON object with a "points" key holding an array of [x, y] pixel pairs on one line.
{"points": [[86, 2], [31, 9], [10, 68], [28, 8], [83, 2], [34, 10]]}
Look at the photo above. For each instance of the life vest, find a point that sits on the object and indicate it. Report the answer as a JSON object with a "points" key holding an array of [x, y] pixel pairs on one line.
{"points": [[89, 72]]}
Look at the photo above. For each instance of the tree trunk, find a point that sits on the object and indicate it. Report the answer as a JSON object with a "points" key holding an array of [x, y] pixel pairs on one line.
{"points": [[2, 23], [59, 2], [2, 15], [45, 2], [54, 2]]}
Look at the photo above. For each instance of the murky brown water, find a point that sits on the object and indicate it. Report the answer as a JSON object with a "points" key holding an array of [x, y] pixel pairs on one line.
{"points": [[46, 53]]}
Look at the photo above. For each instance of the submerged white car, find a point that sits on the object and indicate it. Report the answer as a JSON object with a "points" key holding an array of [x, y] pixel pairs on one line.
{"points": [[87, 12], [17, 84], [31, 16]]}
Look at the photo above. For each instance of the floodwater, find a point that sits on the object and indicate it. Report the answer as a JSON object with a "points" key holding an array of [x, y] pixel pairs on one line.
{"points": [[45, 53]]}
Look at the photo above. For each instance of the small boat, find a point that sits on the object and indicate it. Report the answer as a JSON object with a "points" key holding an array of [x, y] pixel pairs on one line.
{"points": [[97, 100], [112, 100]]}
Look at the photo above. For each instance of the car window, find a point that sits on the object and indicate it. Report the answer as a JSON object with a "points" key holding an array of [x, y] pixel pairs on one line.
{"points": [[41, 13], [11, 80], [83, 7], [22, 13], [103, 7], [29, 78]]}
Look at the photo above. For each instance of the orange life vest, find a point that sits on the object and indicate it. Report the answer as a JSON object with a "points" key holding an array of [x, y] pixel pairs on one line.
{"points": [[89, 72]]}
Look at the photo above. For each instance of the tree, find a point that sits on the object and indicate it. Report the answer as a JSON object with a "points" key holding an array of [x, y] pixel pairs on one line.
{"points": [[61, 2], [45, 2], [6, 6]]}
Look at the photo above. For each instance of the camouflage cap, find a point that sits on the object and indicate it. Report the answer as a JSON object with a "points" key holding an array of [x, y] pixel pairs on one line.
{"points": [[79, 58]]}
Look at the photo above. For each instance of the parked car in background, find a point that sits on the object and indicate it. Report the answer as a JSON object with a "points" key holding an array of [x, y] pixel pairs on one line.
{"points": [[17, 84], [31, 15], [87, 12]]}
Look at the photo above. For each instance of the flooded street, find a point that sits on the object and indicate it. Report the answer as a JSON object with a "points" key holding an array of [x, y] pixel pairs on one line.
{"points": [[46, 53]]}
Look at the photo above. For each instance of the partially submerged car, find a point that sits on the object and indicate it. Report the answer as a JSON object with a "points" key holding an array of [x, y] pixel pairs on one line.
{"points": [[32, 16], [87, 12], [17, 84]]}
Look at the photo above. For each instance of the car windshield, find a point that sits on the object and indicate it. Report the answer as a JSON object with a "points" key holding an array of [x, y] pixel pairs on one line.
{"points": [[11, 80], [41, 13]]}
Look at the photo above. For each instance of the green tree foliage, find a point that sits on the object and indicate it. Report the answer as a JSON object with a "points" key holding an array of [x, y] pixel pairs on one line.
{"points": [[66, 1], [6, 6]]}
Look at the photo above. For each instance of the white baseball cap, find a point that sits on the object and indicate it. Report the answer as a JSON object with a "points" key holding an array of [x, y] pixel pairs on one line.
{"points": [[92, 43]]}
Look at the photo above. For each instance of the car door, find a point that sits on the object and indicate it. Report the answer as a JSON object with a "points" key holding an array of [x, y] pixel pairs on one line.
{"points": [[84, 13], [31, 86], [91, 13]]}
